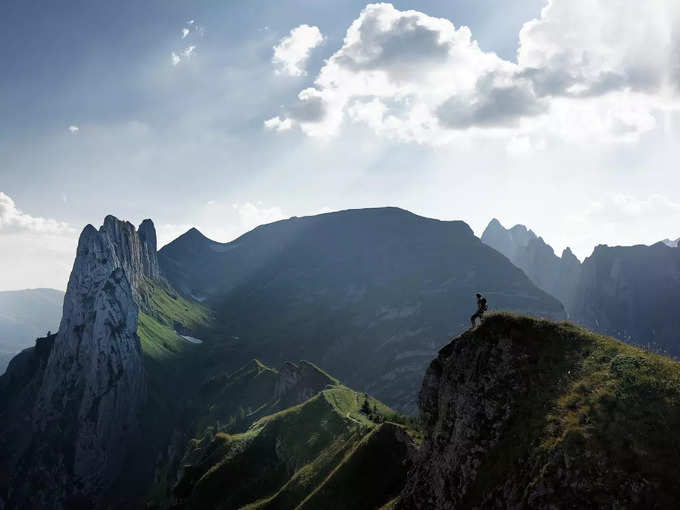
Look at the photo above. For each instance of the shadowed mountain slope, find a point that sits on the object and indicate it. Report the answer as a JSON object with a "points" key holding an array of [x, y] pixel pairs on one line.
{"points": [[368, 294], [558, 276], [526, 413], [630, 292]]}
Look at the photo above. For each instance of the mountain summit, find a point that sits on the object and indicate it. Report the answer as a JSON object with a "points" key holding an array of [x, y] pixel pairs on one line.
{"points": [[83, 389], [368, 294], [555, 275], [526, 413]]}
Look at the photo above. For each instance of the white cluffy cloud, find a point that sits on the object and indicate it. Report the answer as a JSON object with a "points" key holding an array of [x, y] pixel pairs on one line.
{"points": [[278, 124], [253, 214], [12, 220], [36, 251], [186, 54], [292, 52], [73, 129], [414, 77], [178, 56]]}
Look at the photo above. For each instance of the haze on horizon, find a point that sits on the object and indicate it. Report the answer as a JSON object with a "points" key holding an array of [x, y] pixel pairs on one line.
{"points": [[223, 117]]}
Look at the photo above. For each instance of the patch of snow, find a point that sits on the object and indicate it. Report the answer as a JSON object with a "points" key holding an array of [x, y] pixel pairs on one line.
{"points": [[192, 339]]}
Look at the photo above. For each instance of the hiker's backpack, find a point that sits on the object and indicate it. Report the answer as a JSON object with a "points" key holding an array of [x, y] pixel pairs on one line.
{"points": [[484, 307]]}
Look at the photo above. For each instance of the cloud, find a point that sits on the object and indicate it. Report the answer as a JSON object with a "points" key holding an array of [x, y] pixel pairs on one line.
{"points": [[424, 80], [185, 33], [292, 52], [278, 124], [73, 129], [12, 220], [185, 54], [253, 214], [580, 48], [620, 207]]}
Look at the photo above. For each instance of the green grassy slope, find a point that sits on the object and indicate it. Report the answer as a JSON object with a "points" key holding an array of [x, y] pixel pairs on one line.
{"points": [[583, 420], [284, 457], [595, 399], [172, 367]]}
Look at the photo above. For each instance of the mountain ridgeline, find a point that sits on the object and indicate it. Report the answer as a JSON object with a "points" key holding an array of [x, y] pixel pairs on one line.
{"points": [[190, 379], [24, 316], [367, 294], [629, 292]]}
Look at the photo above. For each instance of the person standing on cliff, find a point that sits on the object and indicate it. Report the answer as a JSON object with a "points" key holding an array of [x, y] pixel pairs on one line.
{"points": [[481, 308]]}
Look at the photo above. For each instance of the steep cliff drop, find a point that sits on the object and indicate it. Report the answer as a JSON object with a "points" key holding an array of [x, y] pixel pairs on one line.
{"points": [[526, 413], [67, 434]]}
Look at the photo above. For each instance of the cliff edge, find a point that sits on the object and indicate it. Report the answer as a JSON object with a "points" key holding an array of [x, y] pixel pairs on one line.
{"points": [[527, 413]]}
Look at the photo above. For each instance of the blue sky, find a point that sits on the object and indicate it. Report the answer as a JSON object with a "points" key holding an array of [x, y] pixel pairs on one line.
{"points": [[581, 156]]}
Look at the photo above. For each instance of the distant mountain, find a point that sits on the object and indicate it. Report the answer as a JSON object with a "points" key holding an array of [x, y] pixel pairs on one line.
{"points": [[24, 316], [556, 275], [129, 405], [632, 293], [525, 413], [672, 243], [368, 294], [629, 292]]}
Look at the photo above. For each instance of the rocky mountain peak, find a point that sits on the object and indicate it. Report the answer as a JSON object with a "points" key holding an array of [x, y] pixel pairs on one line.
{"points": [[133, 250], [85, 412]]}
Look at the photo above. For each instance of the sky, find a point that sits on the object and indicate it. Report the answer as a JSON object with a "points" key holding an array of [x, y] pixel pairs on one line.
{"points": [[560, 115]]}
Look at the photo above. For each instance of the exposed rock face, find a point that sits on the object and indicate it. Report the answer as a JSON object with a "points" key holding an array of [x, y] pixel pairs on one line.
{"points": [[85, 410], [556, 275], [298, 382], [524, 414], [465, 400], [629, 292], [632, 293]]}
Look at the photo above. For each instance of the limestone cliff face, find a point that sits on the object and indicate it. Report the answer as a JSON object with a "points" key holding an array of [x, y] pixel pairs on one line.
{"points": [[85, 412]]}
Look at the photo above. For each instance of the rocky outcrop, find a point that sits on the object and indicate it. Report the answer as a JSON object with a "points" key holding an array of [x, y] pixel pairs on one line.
{"points": [[629, 292], [557, 276], [89, 394], [298, 382], [523, 413]]}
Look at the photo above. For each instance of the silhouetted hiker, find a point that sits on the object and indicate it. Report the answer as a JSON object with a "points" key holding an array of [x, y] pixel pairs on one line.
{"points": [[481, 308]]}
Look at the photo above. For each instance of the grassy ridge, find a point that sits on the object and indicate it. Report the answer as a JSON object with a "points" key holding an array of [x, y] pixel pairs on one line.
{"points": [[593, 400], [284, 457]]}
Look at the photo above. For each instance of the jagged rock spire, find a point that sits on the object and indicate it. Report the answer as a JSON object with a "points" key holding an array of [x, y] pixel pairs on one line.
{"points": [[86, 410]]}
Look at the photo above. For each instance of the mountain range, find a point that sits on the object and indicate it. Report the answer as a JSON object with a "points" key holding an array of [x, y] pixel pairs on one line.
{"points": [[284, 370], [630, 292], [367, 294], [24, 316]]}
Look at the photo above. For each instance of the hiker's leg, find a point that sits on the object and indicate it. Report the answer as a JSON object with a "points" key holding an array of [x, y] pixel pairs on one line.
{"points": [[472, 319]]}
